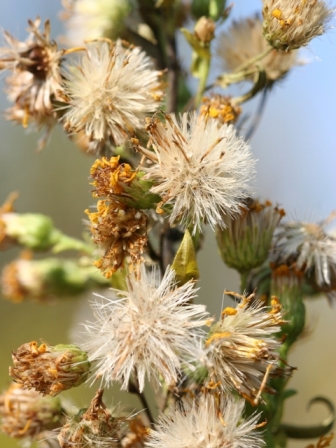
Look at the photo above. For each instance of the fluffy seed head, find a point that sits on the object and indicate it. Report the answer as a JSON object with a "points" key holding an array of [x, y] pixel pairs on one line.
{"points": [[310, 249], [243, 41], [149, 331], [291, 24], [201, 170], [242, 347], [110, 92], [34, 79], [206, 422]]}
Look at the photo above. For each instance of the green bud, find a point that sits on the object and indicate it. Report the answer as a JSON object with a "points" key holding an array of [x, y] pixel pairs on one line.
{"points": [[51, 277], [245, 241], [185, 263], [49, 370], [33, 231]]}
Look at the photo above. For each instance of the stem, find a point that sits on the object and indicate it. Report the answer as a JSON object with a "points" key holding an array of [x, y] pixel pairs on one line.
{"points": [[258, 115], [252, 61], [205, 68], [134, 389], [243, 281]]}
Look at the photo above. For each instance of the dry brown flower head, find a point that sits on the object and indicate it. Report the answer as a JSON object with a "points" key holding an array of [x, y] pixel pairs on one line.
{"points": [[119, 232]]}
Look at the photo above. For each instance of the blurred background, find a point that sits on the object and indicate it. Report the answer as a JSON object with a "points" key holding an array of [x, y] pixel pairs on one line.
{"points": [[295, 145]]}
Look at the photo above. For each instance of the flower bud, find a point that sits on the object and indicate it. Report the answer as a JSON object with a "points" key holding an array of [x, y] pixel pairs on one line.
{"points": [[49, 370], [94, 427], [209, 8], [245, 242], [205, 29], [25, 414], [48, 278], [33, 231]]}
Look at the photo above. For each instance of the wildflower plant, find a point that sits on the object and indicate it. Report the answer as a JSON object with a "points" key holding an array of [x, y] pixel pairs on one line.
{"points": [[167, 161]]}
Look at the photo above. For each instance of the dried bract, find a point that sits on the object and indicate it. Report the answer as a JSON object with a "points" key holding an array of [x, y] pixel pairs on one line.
{"points": [[242, 347], [201, 170], [149, 331], [244, 41], [291, 24], [110, 92], [47, 369], [206, 422]]}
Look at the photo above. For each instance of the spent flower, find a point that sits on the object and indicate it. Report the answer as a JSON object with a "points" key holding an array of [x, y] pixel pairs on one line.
{"points": [[201, 170], [310, 247], [244, 41], [151, 330], [206, 422], [119, 232], [49, 370], [25, 414], [110, 92], [291, 24], [94, 428], [220, 108], [34, 81], [242, 347]]}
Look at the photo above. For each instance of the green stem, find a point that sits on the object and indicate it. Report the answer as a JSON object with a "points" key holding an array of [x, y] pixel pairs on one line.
{"points": [[204, 72], [252, 61]]}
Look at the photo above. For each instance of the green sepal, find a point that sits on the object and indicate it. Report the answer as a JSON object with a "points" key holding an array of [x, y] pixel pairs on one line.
{"points": [[200, 48]]}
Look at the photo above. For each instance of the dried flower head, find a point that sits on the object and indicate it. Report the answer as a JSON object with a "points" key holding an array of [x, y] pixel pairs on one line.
{"points": [[94, 428], [291, 24], [35, 79], [5, 209], [149, 331], [221, 108], [244, 41], [137, 435], [311, 249], [92, 19], [25, 414], [245, 242], [119, 232], [47, 369], [110, 92], [242, 347], [201, 170], [110, 177], [207, 422]]}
